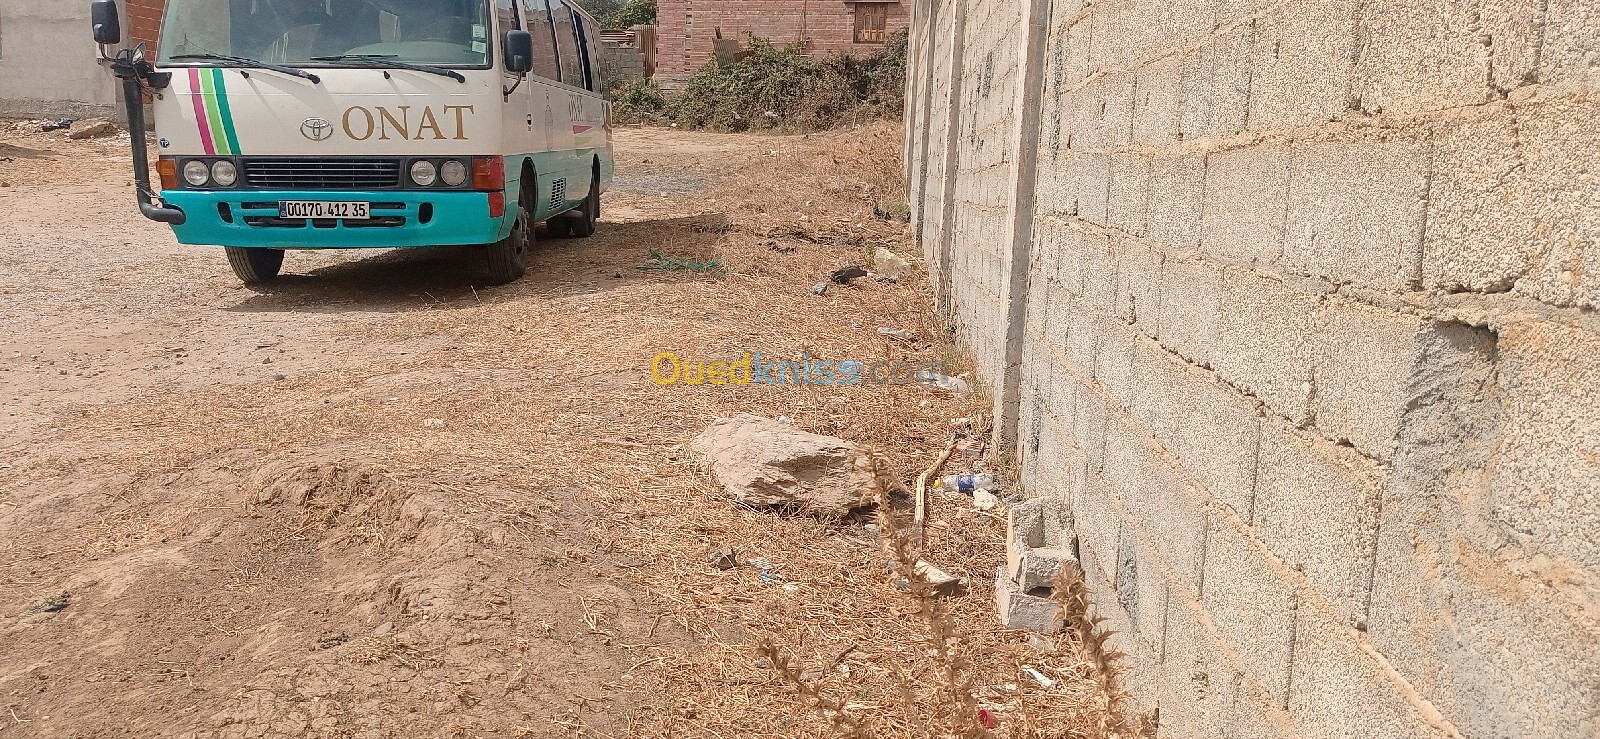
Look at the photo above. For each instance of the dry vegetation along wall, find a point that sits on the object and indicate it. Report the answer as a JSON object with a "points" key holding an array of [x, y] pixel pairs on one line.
{"points": [[1292, 303]]}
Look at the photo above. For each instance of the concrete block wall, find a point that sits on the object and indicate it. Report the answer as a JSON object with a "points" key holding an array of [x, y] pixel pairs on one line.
{"points": [[1293, 306], [688, 28], [47, 61]]}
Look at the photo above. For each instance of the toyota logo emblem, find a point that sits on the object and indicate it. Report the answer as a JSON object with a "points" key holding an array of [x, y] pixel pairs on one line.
{"points": [[316, 129]]}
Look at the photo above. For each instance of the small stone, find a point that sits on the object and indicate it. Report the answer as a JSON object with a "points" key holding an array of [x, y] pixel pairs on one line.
{"points": [[383, 628], [279, 378], [985, 500], [820, 288], [722, 559], [890, 266]]}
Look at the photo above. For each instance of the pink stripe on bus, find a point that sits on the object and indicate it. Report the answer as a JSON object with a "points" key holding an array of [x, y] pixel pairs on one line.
{"points": [[200, 116]]}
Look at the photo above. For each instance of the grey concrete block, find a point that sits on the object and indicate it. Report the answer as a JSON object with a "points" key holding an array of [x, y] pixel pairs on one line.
{"points": [[1158, 103], [1341, 691], [1304, 59], [1091, 186], [1113, 364], [1218, 441], [1483, 225], [1516, 38], [1356, 210], [1422, 56], [1158, 395], [1546, 485], [1246, 201], [1138, 287], [1128, 193], [1024, 612], [1152, 493], [1266, 342], [1571, 48], [1252, 605], [1174, 206], [1373, 368], [1190, 309], [1199, 685], [1216, 86], [1040, 524], [1316, 508], [1559, 137]]}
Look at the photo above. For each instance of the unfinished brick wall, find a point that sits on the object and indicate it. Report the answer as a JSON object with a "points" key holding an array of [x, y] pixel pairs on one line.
{"points": [[1290, 303], [688, 28], [144, 21]]}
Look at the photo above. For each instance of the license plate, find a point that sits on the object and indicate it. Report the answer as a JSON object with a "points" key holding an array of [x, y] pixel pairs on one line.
{"points": [[318, 209]]}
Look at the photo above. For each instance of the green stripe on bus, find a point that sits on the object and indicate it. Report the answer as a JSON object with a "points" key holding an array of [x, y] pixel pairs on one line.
{"points": [[225, 111], [208, 91]]}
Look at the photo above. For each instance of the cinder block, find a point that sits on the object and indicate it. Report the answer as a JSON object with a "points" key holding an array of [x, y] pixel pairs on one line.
{"points": [[1546, 481], [1091, 186], [1341, 691], [1190, 309], [1216, 86], [1422, 56], [1365, 375], [1024, 612], [1356, 212], [1304, 55], [1158, 396], [1571, 40], [1245, 204], [1128, 194], [1483, 217], [1252, 605], [1113, 364], [1559, 136], [1316, 508], [1199, 686], [1218, 441], [1038, 537], [1266, 342], [1157, 103], [1174, 205], [1138, 286], [1153, 494]]}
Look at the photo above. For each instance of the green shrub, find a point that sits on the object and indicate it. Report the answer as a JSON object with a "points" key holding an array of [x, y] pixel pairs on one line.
{"points": [[637, 101], [778, 87]]}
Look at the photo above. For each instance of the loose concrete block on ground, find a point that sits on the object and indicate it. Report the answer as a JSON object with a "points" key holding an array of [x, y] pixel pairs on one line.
{"points": [[1024, 612], [1355, 212], [1316, 508]]}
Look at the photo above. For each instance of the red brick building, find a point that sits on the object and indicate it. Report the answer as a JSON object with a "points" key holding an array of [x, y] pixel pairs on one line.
{"points": [[144, 21], [687, 29]]}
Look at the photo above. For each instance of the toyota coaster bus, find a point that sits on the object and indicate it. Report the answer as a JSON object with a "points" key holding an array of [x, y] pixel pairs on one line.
{"points": [[337, 124]]}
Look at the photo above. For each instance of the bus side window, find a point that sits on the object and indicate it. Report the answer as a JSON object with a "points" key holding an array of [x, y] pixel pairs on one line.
{"points": [[589, 50], [536, 14], [567, 42]]}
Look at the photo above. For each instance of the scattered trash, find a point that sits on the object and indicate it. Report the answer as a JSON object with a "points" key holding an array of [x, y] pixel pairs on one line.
{"points": [[773, 245], [989, 719], [954, 385], [661, 262], [985, 500], [820, 288], [811, 674], [433, 423], [944, 584], [843, 275], [53, 604], [722, 559], [57, 126], [879, 213], [1041, 643], [93, 128], [970, 483], [890, 266], [897, 333], [1039, 677], [329, 642], [960, 422], [764, 569], [766, 462]]}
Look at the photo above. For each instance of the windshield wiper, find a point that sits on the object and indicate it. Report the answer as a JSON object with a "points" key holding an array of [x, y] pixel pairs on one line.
{"points": [[378, 61], [240, 61]]}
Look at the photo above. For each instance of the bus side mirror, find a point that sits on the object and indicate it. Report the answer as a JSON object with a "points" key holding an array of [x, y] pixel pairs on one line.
{"points": [[107, 23], [519, 51]]}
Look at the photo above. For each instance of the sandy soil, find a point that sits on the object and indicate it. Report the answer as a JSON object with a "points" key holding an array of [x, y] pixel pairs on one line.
{"points": [[381, 499]]}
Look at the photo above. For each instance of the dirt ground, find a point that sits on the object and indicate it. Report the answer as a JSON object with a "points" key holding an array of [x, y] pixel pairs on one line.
{"points": [[380, 499]]}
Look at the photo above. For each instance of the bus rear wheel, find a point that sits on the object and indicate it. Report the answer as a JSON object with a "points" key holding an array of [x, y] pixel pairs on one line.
{"points": [[255, 266], [581, 221], [508, 257]]}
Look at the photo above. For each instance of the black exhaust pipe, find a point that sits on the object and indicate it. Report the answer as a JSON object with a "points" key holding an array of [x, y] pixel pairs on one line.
{"points": [[133, 96]]}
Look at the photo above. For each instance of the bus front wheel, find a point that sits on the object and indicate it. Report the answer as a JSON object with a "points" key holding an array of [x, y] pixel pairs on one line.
{"points": [[508, 257], [255, 266]]}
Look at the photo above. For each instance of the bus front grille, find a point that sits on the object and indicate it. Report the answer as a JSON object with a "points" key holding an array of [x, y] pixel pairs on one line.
{"points": [[322, 173]]}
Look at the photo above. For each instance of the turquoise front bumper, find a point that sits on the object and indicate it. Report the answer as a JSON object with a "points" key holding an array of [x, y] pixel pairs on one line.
{"points": [[399, 219]]}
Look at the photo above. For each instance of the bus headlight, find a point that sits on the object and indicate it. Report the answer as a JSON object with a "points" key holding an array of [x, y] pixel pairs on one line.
{"points": [[454, 173], [424, 173], [224, 173], [196, 173]]}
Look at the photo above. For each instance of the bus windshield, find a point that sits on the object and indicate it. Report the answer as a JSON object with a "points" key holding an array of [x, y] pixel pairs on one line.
{"points": [[453, 33]]}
